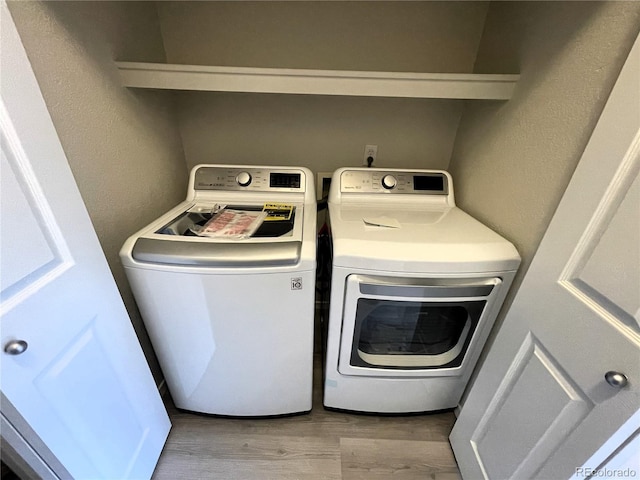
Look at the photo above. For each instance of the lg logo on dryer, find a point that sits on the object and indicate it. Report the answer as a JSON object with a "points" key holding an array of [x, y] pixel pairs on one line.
{"points": [[296, 283]]}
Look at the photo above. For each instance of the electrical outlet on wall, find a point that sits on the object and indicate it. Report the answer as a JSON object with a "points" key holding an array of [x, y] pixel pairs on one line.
{"points": [[370, 152]]}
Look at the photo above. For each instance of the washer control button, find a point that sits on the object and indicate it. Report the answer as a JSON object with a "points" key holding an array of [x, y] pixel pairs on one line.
{"points": [[389, 182], [243, 179]]}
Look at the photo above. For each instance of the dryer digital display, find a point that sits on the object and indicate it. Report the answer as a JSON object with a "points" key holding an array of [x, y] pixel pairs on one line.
{"points": [[431, 183]]}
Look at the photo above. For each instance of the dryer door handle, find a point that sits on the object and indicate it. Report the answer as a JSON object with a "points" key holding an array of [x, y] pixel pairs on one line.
{"points": [[437, 289]]}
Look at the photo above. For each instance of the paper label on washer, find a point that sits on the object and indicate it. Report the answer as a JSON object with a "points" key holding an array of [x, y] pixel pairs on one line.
{"points": [[232, 224]]}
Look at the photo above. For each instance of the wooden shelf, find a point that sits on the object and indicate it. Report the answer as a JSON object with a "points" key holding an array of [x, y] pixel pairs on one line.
{"points": [[317, 82]]}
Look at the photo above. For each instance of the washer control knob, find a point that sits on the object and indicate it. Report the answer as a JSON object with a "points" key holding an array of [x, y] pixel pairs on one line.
{"points": [[389, 182], [243, 179]]}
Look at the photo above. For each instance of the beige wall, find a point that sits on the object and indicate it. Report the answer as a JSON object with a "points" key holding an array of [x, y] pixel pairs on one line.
{"points": [[512, 161], [123, 147], [395, 36], [321, 132]]}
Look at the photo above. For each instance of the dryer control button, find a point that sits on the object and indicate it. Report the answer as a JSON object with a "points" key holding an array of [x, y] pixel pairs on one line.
{"points": [[243, 179], [389, 182]]}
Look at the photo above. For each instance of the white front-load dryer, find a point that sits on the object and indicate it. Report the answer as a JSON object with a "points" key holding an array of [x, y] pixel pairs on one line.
{"points": [[416, 285], [225, 283]]}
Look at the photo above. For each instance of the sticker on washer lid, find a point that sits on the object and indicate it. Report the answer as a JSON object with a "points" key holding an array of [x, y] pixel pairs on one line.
{"points": [[231, 224], [277, 211], [383, 221]]}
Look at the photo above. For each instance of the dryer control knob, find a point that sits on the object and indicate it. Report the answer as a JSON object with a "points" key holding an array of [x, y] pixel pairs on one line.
{"points": [[243, 179], [389, 182]]}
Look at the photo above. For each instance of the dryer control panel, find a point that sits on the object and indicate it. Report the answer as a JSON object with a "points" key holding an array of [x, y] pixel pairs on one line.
{"points": [[393, 181], [256, 179]]}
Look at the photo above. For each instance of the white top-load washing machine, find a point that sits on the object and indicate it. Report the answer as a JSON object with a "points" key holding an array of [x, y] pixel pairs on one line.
{"points": [[225, 284], [416, 284]]}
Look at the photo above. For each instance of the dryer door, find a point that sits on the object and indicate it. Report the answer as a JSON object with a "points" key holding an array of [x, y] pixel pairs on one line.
{"points": [[411, 326]]}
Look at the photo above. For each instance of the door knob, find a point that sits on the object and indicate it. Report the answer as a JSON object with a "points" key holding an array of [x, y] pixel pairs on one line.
{"points": [[15, 347], [616, 379]]}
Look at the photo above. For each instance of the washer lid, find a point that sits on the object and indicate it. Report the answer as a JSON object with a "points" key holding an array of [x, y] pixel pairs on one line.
{"points": [[173, 238], [406, 238], [223, 221]]}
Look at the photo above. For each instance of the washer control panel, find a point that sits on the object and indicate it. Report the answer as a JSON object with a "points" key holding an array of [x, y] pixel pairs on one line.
{"points": [[393, 181], [249, 179]]}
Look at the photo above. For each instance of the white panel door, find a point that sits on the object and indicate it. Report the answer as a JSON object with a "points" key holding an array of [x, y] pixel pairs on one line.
{"points": [[71, 363], [541, 406]]}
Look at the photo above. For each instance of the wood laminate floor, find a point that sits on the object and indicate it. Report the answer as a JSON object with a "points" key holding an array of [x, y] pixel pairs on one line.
{"points": [[319, 445]]}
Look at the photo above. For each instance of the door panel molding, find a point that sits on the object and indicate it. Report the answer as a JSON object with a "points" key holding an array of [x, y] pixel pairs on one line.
{"points": [[579, 276], [35, 269], [565, 405], [121, 429]]}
